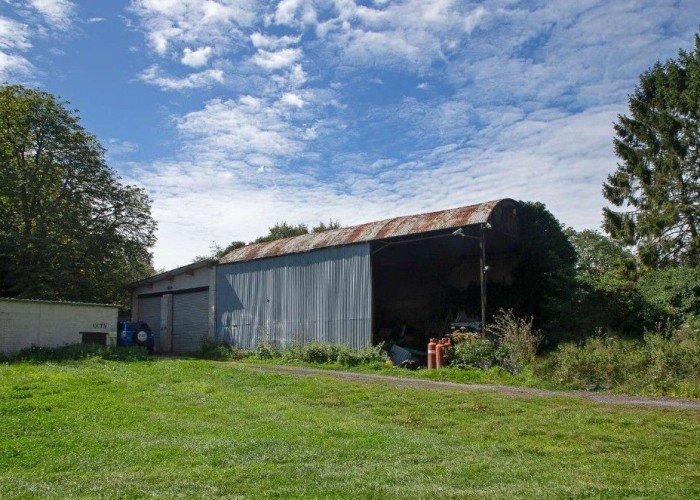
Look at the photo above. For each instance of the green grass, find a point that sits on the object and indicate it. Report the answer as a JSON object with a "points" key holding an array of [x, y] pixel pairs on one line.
{"points": [[193, 428]]}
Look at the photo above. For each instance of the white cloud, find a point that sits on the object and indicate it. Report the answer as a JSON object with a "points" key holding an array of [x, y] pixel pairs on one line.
{"points": [[530, 94], [57, 13], [171, 25], [196, 58], [155, 76], [293, 100], [262, 41], [14, 40], [92, 20], [238, 130], [276, 60]]}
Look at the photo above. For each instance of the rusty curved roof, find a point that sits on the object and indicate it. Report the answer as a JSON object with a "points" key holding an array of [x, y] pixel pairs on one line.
{"points": [[385, 229]]}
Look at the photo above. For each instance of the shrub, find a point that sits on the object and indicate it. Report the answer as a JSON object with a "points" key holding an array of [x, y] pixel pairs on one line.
{"points": [[344, 355], [599, 363], [672, 293], [366, 356], [658, 364], [517, 340], [219, 351], [75, 352], [317, 352], [264, 350], [473, 353]]}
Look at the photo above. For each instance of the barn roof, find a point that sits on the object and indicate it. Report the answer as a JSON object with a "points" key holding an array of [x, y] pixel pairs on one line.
{"points": [[380, 230]]}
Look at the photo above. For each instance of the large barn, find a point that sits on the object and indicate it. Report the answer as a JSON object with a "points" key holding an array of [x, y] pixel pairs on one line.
{"points": [[405, 278]]}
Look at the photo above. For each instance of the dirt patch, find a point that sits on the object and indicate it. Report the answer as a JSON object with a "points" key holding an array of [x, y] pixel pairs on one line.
{"points": [[515, 391]]}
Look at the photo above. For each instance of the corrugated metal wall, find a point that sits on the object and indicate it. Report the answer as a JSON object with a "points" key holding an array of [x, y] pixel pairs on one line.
{"points": [[322, 296]]}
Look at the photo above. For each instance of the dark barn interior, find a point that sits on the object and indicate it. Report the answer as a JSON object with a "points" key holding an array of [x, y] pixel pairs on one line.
{"points": [[421, 283]]}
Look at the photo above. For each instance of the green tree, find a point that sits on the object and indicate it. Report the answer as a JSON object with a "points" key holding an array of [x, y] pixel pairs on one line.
{"points": [[596, 254], [544, 277], [657, 182], [216, 251], [322, 227], [283, 230], [69, 229]]}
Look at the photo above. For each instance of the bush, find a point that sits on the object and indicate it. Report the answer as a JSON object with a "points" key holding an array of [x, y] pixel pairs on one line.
{"points": [[599, 363], [264, 350], [603, 301], [473, 353], [219, 351], [343, 355], [75, 352], [672, 294], [366, 356], [657, 364], [516, 339]]}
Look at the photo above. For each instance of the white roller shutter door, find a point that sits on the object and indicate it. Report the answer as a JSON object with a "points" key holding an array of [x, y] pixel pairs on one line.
{"points": [[190, 320]]}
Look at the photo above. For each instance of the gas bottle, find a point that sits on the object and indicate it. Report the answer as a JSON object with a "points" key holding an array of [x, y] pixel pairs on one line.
{"points": [[431, 353], [439, 354]]}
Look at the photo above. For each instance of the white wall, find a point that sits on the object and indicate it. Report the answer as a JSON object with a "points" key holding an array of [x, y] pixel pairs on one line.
{"points": [[24, 323]]}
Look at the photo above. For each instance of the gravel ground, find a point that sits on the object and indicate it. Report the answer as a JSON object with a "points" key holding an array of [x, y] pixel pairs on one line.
{"points": [[597, 397]]}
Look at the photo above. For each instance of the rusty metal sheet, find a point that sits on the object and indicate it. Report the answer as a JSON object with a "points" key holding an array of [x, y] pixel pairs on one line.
{"points": [[386, 229]]}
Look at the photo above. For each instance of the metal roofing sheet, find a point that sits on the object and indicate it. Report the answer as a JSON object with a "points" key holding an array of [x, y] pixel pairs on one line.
{"points": [[390, 228]]}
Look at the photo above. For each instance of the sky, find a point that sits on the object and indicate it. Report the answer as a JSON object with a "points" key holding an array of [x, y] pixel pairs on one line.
{"points": [[237, 114]]}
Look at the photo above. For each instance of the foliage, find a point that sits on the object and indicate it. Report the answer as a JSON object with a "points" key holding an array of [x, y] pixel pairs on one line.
{"points": [[74, 352], [599, 363], [671, 294], [323, 227], [603, 301], [68, 228], [344, 355], [219, 351], [656, 364], [216, 251], [473, 353], [598, 255], [264, 350], [545, 273], [517, 340], [283, 230], [658, 179]]}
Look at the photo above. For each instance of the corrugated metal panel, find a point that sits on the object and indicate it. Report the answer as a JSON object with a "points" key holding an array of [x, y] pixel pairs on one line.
{"points": [[322, 296], [149, 311], [190, 320], [390, 228]]}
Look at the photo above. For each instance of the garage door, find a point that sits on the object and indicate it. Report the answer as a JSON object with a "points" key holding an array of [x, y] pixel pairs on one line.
{"points": [[149, 311], [190, 320]]}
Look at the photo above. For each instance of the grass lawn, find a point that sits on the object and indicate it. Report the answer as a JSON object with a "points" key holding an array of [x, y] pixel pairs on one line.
{"points": [[192, 428]]}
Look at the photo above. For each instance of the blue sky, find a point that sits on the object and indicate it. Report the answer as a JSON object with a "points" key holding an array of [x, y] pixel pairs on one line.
{"points": [[234, 115]]}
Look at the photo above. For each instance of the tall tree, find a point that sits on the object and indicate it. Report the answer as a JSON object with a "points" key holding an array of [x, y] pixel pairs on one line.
{"points": [[657, 182], [283, 230], [69, 229]]}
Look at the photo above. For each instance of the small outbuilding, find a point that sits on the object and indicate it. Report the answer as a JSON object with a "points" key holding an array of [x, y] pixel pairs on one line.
{"points": [[178, 305], [25, 323]]}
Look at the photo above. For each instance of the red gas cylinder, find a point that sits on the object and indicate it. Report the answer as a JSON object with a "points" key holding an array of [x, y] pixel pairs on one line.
{"points": [[431, 353], [439, 354]]}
